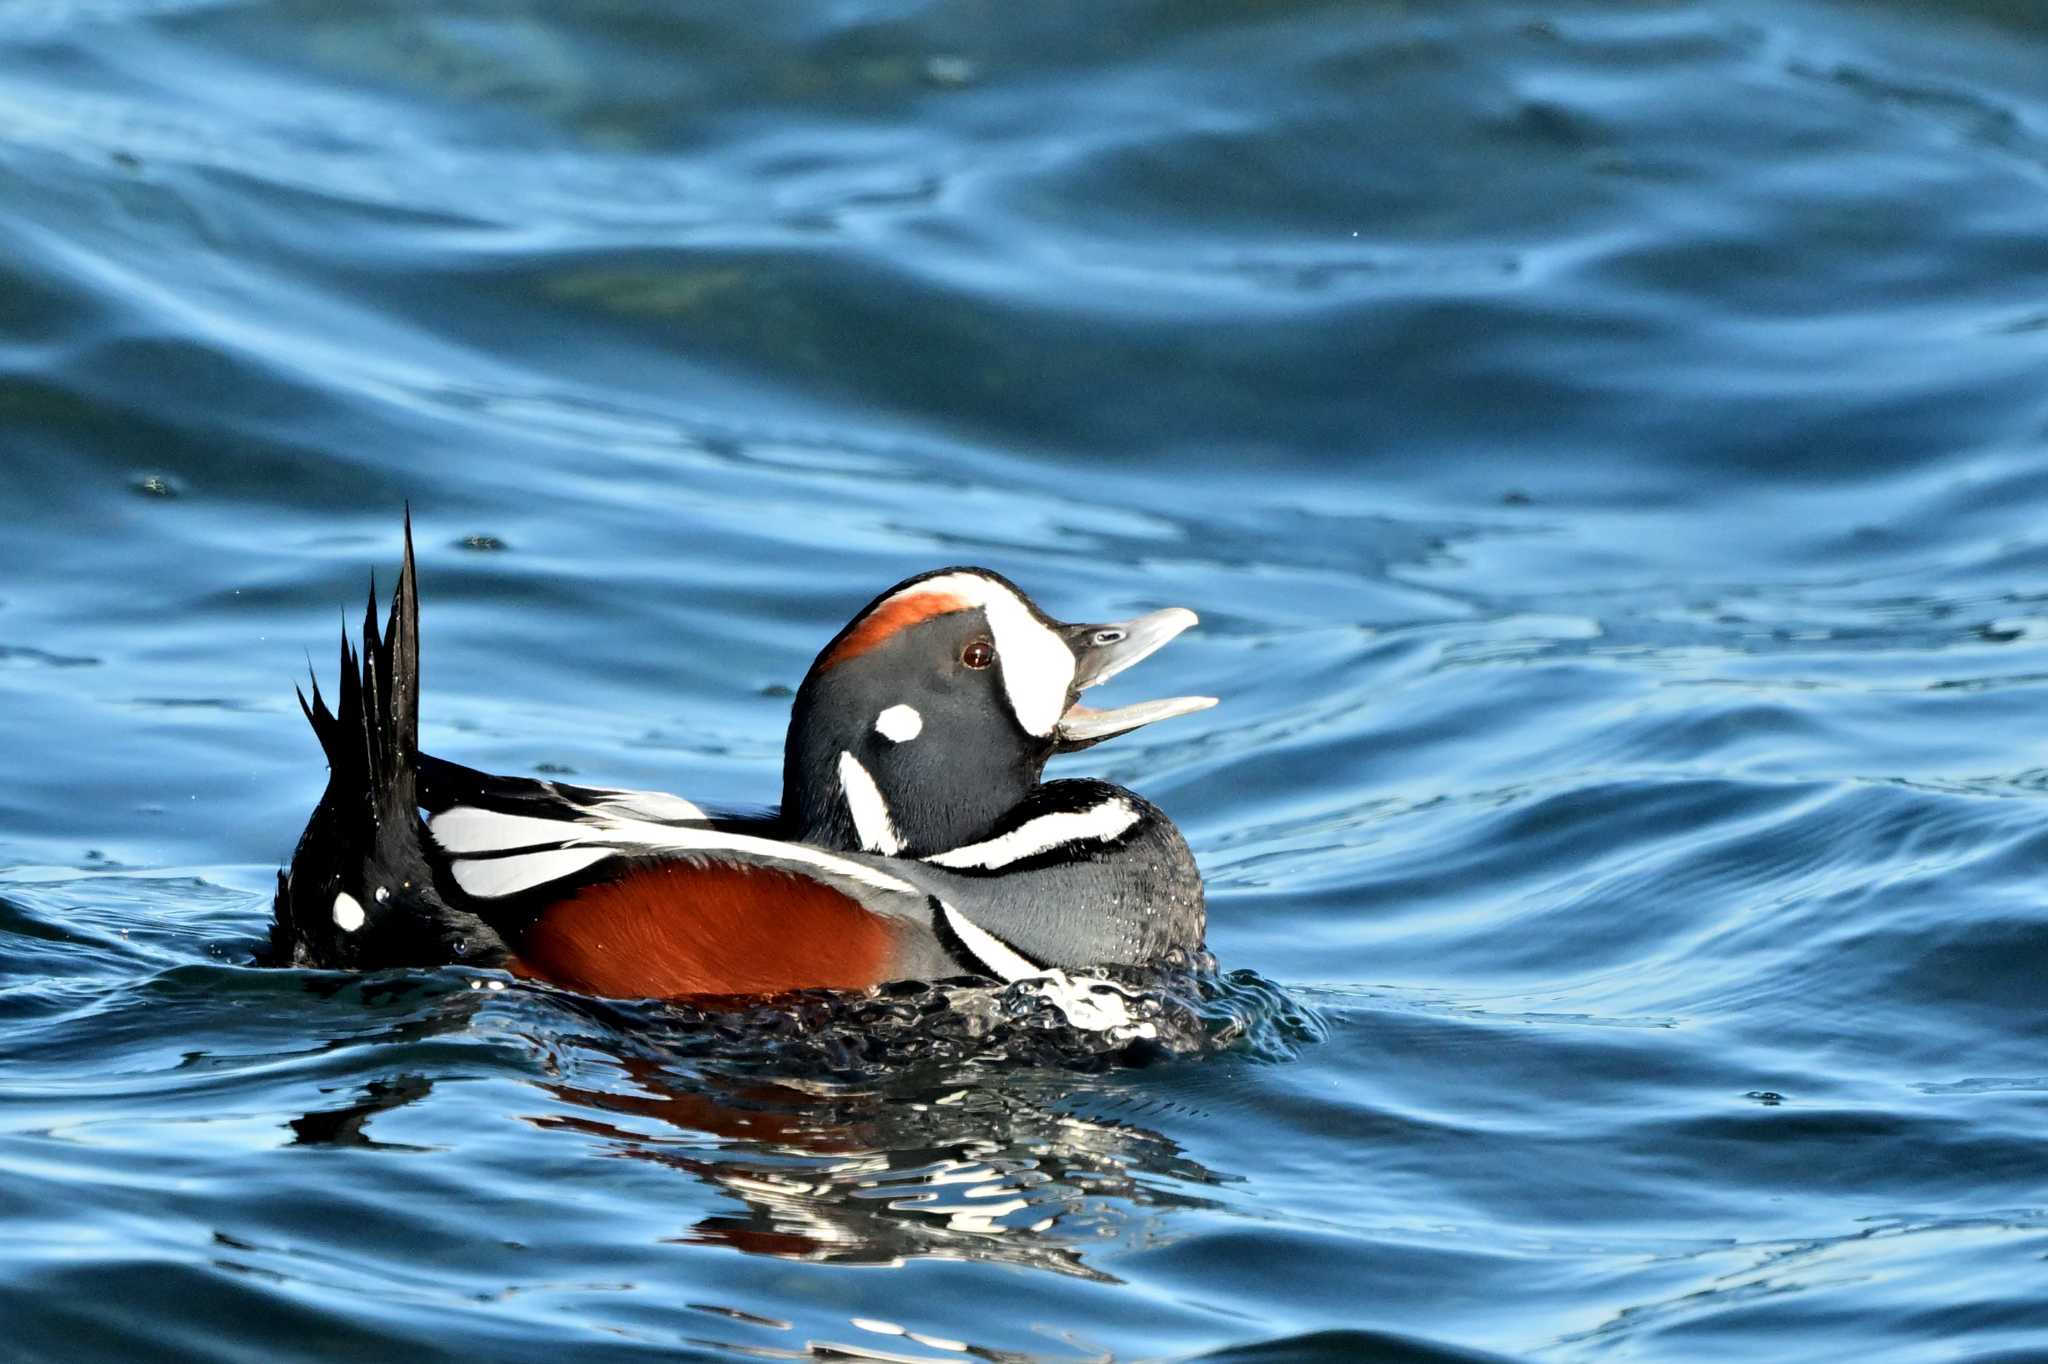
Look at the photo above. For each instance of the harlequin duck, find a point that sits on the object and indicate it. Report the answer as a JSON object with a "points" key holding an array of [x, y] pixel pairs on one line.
{"points": [[915, 839]]}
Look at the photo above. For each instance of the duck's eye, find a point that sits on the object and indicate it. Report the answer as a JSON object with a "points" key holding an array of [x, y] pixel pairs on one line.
{"points": [[978, 654]]}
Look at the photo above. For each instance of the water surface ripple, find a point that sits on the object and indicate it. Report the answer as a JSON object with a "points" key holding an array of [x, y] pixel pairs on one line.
{"points": [[1607, 444]]}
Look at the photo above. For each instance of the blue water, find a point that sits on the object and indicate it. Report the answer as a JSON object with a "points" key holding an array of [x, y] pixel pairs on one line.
{"points": [[1607, 444]]}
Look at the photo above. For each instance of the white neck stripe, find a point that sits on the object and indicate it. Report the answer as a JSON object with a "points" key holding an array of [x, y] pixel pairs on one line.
{"points": [[1043, 834], [871, 822]]}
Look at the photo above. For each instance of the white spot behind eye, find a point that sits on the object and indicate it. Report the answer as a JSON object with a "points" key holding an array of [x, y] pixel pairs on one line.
{"points": [[348, 913], [899, 724]]}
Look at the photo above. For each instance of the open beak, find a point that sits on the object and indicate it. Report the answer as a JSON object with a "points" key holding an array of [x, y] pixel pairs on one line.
{"points": [[1103, 651]]}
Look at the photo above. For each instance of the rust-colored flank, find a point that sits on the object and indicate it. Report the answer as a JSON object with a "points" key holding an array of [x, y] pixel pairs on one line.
{"points": [[885, 620], [677, 928]]}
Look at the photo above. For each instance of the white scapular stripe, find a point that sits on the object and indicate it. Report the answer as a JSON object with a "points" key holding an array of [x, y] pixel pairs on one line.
{"points": [[899, 724], [1003, 962], [1043, 834], [470, 829], [871, 822], [348, 912], [490, 877], [466, 829], [633, 836], [1038, 667]]}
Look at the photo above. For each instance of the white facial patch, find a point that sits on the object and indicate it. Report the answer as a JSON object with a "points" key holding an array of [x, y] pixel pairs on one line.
{"points": [[348, 913], [871, 822], [899, 724], [1038, 667], [1041, 835]]}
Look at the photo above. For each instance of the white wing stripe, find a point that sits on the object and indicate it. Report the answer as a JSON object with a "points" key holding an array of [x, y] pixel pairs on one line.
{"points": [[1043, 834], [656, 805]]}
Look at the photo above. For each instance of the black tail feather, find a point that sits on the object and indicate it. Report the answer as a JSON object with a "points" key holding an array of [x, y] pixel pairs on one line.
{"points": [[365, 842]]}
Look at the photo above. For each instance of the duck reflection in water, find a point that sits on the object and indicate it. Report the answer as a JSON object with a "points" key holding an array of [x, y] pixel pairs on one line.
{"points": [[989, 1166], [840, 1145]]}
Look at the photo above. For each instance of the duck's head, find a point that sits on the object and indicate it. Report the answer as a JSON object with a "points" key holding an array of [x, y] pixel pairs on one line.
{"points": [[936, 709]]}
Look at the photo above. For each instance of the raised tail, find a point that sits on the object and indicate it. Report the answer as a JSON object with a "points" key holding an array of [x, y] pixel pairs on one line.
{"points": [[361, 890]]}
